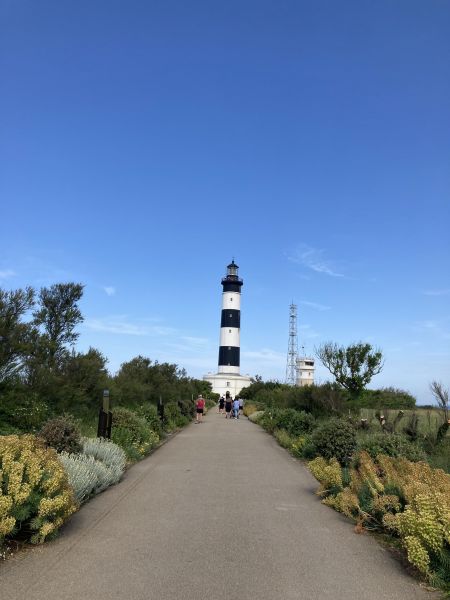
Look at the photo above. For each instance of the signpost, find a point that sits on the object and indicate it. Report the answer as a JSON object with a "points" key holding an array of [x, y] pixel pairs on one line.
{"points": [[105, 417]]}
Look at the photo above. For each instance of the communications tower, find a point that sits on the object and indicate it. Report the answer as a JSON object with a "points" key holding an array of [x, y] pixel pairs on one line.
{"points": [[292, 355]]}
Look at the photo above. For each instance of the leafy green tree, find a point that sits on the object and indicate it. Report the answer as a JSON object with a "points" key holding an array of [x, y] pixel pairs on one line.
{"points": [[353, 367], [58, 315], [15, 334]]}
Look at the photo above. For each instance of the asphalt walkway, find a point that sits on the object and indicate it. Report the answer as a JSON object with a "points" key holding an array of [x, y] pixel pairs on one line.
{"points": [[219, 512]]}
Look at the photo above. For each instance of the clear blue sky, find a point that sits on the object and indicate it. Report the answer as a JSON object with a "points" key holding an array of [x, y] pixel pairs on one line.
{"points": [[145, 144]]}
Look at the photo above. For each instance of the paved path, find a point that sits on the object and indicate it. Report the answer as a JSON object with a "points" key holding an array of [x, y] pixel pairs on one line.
{"points": [[219, 512]]}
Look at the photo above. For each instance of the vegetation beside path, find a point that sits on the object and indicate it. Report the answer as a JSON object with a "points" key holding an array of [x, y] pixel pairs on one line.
{"points": [[376, 465], [50, 459]]}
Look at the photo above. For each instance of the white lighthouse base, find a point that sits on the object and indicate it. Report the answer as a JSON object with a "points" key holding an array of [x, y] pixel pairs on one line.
{"points": [[227, 382]]}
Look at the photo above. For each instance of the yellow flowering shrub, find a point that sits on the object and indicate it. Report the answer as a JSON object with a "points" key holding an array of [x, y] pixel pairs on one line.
{"points": [[249, 409], [328, 473], [35, 496], [409, 499]]}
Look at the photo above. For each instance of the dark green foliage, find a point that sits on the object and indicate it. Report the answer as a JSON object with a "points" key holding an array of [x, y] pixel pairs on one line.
{"points": [[353, 367], [140, 381], [173, 417], [15, 333], [22, 408], [365, 498], [319, 400], [335, 438], [133, 423], [149, 412], [412, 427], [385, 398], [62, 434], [293, 421], [442, 432], [58, 315], [392, 444]]}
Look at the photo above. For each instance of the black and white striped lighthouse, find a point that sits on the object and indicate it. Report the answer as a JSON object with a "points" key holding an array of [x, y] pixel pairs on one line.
{"points": [[228, 377], [230, 322]]}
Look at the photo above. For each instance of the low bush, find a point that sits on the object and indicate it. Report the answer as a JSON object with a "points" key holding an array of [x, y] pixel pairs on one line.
{"points": [[210, 404], [132, 433], [283, 438], [35, 495], [391, 444], [385, 398], [249, 409], [299, 445], [149, 412], [295, 422], [109, 453], [62, 434], [173, 417], [87, 476], [410, 500], [255, 416], [335, 438]]}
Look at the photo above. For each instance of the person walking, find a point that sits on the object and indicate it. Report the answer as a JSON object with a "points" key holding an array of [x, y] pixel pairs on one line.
{"points": [[228, 402], [200, 406], [236, 408], [221, 405], [241, 406]]}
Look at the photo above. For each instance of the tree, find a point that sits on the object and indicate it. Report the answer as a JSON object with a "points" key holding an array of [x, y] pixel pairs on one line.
{"points": [[58, 316], [15, 335], [353, 367], [441, 396]]}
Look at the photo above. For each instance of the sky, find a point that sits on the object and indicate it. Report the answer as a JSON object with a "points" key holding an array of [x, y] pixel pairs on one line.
{"points": [[145, 144]]}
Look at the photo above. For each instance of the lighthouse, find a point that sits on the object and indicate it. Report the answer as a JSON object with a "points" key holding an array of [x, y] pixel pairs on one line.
{"points": [[228, 377]]}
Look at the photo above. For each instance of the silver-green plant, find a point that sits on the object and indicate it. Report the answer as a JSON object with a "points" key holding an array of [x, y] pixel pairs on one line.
{"points": [[109, 453], [86, 475], [254, 417]]}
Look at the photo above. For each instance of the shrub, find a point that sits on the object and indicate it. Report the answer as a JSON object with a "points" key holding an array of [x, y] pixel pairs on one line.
{"points": [[210, 403], [173, 416], [255, 416], [62, 434], [295, 422], [328, 473], [335, 438], [35, 495], [298, 446], [392, 445], [283, 438], [132, 433], [150, 413], [412, 500], [109, 453], [386, 398], [86, 475], [249, 409]]}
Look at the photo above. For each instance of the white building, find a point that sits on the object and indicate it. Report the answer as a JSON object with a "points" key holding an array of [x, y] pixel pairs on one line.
{"points": [[305, 371]]}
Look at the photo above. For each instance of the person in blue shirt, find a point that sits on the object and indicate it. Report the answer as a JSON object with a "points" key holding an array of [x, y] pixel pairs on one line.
{"points": [[236, 408]]}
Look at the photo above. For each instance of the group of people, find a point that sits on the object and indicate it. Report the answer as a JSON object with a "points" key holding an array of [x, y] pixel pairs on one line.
{"points": [[227, 406], [231, 408]]}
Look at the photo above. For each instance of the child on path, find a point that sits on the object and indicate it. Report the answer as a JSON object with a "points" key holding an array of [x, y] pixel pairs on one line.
{"points": [[200, 405], [236, 408], [221, 404]]}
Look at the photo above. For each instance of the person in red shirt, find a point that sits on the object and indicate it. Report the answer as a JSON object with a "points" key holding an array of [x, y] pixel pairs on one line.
{"points": [[200, 405]]}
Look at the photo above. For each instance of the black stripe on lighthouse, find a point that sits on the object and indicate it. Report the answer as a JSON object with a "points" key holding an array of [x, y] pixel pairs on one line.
{"points": [[229, 356], [230, 317]]}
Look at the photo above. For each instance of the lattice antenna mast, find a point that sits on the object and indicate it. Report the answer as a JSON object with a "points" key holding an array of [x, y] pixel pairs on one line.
{"points": [[292, 355]]}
